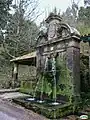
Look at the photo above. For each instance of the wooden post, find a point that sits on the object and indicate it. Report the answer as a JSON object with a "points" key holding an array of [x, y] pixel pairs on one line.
{"points": [[15, 76]]}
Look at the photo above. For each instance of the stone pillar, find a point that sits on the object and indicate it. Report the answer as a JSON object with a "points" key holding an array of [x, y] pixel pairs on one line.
{"points": [[15, 82], [40, 60], [73, 62]]}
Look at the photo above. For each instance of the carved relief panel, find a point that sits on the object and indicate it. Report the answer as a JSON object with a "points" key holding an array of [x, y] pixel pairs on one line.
{"points": [[52, 30]]}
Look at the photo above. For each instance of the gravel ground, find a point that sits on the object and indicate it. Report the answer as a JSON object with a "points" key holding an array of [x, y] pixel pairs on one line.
{"points": [[11, 111]]}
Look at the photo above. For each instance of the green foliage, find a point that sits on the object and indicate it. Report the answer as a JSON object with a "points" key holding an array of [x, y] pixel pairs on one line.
{"points": [[84, 15], [4, 12], [78, 18], [51, 112], [20, 33], [70, 15], [84, 73], [21, 37], [83, 29], [26, 87], [83, 24], [64, 84], [27, 78], [5, 6], [47, 87]]}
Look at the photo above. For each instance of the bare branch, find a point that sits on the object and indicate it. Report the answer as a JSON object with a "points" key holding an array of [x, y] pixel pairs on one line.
{"points": [[4, 46]]}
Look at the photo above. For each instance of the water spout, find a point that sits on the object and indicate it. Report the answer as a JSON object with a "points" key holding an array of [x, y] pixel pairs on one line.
{"points": [[30, 99], [54, 78], [34, 95], [40, 101], [46, 64], [45, 68], [41, 96]]}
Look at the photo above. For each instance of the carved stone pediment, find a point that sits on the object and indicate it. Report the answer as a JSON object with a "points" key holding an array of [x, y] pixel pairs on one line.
{"points": [[64, 30], [54, 29], [58, 30], [68, 31]]}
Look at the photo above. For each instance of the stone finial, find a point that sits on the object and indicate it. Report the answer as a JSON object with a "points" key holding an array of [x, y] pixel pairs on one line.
{"points": [[53, 16]]}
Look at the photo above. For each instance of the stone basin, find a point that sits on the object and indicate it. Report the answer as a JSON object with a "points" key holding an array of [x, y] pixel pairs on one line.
{"points": [[46, 108]]}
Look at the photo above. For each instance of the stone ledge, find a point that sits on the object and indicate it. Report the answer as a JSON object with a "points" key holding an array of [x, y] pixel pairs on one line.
{"points": [[9, 90], [51, 112]]}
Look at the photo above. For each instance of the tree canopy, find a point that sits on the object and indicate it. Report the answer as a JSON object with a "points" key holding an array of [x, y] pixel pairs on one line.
{"points": [[4, 12], [18, 31]]}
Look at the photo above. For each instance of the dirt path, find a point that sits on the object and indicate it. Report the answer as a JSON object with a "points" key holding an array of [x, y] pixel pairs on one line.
{"points": [[10, 111]]}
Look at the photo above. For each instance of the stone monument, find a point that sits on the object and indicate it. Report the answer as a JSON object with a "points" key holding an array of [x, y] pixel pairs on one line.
{"points": [[59, 37]]}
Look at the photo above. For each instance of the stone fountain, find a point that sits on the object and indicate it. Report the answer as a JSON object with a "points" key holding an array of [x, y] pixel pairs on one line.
{"points": [[58, 57]]}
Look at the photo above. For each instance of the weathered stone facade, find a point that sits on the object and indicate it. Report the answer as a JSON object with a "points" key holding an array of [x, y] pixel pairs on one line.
{"points": [[61, 39]]}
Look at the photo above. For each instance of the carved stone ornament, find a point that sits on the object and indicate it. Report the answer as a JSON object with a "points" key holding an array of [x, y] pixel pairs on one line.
{"points": [[52, 31]]}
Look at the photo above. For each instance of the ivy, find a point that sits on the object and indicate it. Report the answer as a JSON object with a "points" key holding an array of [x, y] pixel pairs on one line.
{"points": [[64, 83], [63, 78], [47, 88]]}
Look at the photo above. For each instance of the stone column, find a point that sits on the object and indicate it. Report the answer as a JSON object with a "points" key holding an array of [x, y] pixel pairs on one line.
{"points": [[73, 62], [15, 82], [40, 60]]}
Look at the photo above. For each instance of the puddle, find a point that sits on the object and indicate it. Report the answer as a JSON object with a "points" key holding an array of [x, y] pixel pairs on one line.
{"points": [[4, 116]]}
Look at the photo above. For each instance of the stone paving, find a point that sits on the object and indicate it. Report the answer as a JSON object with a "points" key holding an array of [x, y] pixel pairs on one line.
{"points": [[11, 111], [12, 95], [9, 90]]}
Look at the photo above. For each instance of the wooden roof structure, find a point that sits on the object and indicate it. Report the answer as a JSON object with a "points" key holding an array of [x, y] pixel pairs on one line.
{"points": [[28, 59]]}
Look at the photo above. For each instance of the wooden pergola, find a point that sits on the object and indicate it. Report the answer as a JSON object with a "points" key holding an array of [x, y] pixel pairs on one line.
{"points": [[28, 59]]}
